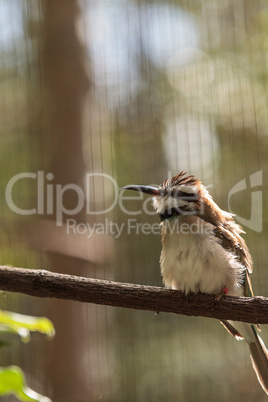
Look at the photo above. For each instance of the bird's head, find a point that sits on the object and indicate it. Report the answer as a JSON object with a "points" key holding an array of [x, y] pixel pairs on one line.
{"points": [[180, 195]]}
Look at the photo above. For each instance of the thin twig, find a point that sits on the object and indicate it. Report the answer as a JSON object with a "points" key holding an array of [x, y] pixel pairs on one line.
{"points": [[41, 283]]}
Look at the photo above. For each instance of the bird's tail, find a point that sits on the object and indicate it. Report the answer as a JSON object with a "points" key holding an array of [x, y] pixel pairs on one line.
{"points": [[258, 351], [259, 358]]}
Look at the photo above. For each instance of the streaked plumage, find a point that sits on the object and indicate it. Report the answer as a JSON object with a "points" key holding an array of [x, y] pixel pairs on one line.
{"points": [[202, 251]]}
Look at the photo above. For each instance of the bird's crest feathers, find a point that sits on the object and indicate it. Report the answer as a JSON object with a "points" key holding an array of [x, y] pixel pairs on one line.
{"points": [[180, 179]]}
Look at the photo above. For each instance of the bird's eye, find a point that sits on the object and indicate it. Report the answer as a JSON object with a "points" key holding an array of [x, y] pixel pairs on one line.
{"points": [[186, 196]]}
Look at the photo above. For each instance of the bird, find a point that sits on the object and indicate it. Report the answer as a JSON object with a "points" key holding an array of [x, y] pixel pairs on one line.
{"points": [[203, 252]]}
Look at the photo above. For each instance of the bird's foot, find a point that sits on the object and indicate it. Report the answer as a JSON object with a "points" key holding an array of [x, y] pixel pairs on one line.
{"points": [[222, 293]]}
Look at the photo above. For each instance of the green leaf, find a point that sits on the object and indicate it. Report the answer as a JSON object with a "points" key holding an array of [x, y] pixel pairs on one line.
{"points": [[24, 324], [12, 381]]}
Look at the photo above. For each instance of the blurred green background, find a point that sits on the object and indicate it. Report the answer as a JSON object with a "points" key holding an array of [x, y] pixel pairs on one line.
{"points": [[136, 90]]}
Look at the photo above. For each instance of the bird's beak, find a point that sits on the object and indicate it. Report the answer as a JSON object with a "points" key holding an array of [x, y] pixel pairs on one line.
{"points": [[153, 191]]}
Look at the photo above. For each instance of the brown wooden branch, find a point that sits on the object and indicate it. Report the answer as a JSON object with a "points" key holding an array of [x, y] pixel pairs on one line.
{"points": [[41, 283]]}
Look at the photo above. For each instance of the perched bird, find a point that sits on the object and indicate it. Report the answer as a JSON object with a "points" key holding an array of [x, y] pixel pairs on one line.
{"points": [[202, 251]]}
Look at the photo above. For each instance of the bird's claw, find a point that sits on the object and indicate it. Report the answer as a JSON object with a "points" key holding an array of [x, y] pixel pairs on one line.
{"points": [[222, 293]]}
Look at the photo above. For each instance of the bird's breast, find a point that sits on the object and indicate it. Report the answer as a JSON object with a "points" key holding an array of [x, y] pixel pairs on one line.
{"points": [[193, 259]]}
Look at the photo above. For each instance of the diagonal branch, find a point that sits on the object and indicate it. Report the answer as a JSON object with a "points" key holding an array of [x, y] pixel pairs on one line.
{"points": [[41, 283]]}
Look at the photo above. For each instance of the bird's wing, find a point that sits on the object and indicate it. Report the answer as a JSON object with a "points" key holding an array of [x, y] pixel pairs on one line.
{"points": [[231, 240]]}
